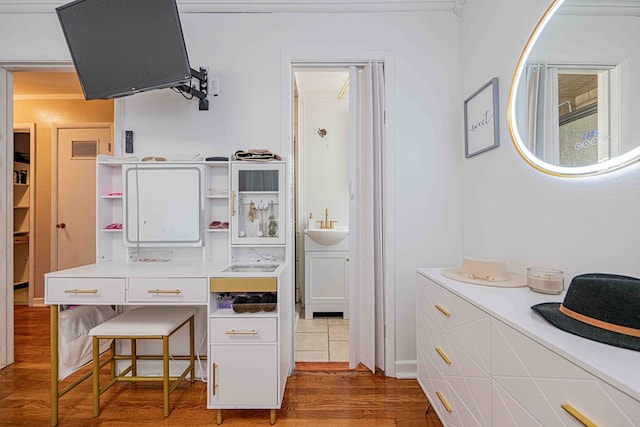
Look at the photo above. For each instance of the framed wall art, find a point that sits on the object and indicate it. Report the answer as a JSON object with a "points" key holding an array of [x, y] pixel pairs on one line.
{"points": [[481, 127]]}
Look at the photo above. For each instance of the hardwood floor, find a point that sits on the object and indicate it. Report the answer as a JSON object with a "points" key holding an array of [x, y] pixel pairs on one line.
{"points": [[312, 397]]}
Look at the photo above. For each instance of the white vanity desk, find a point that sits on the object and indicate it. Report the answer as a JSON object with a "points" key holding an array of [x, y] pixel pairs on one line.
{"points": [[154, 283], [508, 366]]}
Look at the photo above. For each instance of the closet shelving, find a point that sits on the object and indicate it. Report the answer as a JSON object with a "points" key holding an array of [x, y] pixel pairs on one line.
{"points": [[23, 204]]}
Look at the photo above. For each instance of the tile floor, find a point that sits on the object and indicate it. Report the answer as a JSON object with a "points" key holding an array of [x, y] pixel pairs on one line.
{"points": [[322, 339]]}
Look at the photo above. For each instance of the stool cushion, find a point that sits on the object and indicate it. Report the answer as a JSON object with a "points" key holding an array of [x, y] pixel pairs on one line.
{"points": [[139, 322]]}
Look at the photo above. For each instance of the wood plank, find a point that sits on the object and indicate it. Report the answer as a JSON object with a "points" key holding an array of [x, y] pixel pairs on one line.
{"points": [[320, 397]]}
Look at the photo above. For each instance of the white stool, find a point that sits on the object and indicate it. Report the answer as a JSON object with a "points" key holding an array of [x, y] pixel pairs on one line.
{"points": [[142, 323]]}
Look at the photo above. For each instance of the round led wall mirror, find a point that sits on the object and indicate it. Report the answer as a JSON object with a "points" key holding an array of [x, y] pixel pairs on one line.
{"points": [[576, 89]]}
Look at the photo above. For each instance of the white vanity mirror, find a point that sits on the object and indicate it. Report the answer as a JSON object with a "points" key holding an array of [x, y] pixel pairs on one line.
{"points": [[576, 89], [163, 205]]}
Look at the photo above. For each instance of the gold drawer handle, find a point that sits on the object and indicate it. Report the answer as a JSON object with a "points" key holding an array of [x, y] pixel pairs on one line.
{"points": [[443, 310], [578, 416], [443, 355], [80, 291], [234, 332], [444, 401], [214, 385], [164, 291]]}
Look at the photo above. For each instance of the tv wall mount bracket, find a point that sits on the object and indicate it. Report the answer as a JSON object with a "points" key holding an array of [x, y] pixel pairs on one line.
{"points": [[201, 92]]}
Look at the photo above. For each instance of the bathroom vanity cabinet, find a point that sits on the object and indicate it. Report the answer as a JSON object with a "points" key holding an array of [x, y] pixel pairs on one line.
{"points": [[486, 359], [326, 282]]}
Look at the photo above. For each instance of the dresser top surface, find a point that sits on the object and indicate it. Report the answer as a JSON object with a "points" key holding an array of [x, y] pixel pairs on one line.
{"points": [[617, 366]]}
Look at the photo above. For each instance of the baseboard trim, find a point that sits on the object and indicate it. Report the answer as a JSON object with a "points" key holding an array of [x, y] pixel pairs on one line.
{"points": [[406, 369]]}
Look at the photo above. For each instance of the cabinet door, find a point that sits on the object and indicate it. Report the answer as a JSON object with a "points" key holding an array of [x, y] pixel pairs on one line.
{"points": [[326, 283], [257, 203], [243, 376]]}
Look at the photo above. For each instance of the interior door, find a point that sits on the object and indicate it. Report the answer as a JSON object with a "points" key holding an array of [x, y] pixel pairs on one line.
{"points": [[74, 212]]}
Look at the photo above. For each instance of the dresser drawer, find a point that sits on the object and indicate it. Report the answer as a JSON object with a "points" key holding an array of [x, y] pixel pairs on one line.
{"points": [[81, 290], [228, 330], [544, 383], [168, 290]]}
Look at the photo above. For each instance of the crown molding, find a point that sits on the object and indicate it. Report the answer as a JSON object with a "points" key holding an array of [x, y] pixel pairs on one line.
{"points": [[264, 6], [600, 7]]}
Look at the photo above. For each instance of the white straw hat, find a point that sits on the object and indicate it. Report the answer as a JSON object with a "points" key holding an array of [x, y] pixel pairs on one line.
{"points": [[487, 272]]}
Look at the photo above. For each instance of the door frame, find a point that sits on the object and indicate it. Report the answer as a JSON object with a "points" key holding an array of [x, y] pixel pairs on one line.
{"points": [[54, 177], [325, 58], [7, 355]]}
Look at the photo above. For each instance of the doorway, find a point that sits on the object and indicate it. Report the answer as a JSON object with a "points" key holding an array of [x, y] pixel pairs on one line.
{"points": [[322, 135], [42, 95], [371, 312]]}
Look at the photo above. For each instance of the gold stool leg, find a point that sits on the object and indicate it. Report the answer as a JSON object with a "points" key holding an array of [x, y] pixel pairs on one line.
{"points": [[112, 363], [219, 416], [134, 358], [165, 373], [192, 357], [272, 416], [96, 376]]}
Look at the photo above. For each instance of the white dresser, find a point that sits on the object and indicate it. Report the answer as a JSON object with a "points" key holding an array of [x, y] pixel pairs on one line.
{"points": [[486, 359]]}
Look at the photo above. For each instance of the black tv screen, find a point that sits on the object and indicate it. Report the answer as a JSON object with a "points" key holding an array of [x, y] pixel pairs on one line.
{"points": [[120, 47]]}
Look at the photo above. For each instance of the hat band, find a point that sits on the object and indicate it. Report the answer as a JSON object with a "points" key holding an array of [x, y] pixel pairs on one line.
{"points": [[600, 323], [478, 277]]}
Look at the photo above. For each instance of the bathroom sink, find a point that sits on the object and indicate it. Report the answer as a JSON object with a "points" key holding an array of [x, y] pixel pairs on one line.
{"points": [[328, 236]]}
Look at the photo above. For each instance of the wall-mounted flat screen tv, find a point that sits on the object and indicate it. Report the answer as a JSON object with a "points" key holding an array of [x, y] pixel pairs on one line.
{"points": [[120, 47]]}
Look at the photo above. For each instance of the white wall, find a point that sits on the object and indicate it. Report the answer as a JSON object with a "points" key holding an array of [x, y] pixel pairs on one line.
{"points": [[244, 50], [512, 211], [325, 160]]}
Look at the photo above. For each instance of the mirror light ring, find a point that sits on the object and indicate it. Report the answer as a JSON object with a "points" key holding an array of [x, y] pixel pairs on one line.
{"points": [[542, 166]]}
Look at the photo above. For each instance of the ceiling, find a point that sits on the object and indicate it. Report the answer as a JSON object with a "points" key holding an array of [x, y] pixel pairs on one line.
{"points": [[329, 80], [264, 6], [46, 83]]}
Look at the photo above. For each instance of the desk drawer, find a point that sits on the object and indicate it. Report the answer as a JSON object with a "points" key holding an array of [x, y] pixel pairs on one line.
{"points": [[85, 290], [243, 330], [168, 290]]}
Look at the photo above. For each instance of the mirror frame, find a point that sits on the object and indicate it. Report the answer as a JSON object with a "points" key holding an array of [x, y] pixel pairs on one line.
{"points": [[542, 166]]}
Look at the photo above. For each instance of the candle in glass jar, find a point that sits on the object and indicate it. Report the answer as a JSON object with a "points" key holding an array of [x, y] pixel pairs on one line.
{"points": [[545, 280]]}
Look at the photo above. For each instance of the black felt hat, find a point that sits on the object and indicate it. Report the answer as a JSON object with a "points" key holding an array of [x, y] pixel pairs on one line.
{"points": [[600, 307]]}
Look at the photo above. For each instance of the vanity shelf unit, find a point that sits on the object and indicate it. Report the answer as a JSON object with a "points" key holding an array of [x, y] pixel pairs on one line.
{"points": [[117, 218], [216, 212], [257, 203], [486, 359]]}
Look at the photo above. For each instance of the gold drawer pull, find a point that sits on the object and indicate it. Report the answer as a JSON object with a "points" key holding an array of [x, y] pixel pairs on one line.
{"points": [[80, 291], [443, 355], [214, 385], [234, 332], [164, 291], [578, 416], [444, 401], [443, 310]]}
